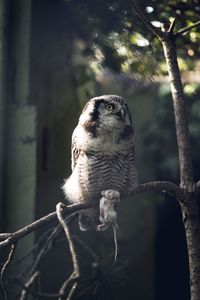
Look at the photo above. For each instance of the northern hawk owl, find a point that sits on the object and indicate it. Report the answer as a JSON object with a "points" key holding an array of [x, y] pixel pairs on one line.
{"points": [[103, 160]]}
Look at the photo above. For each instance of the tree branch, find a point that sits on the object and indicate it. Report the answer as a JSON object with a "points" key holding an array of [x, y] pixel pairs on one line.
{"points": [[28, 284], [145, 20], [43, 251], [3, 270], [157, 186], [166, 187], [75, 274], [37, 294], [172, 25], [52, 235], [9, 238], [186, 29], [59, 210], [87, 248]]}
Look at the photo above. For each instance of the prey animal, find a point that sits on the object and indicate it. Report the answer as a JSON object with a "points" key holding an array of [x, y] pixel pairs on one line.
{"points": [[103, 161]]}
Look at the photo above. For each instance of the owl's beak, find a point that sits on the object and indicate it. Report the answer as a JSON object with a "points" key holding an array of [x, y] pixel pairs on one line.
{"points": [[121, 113]]}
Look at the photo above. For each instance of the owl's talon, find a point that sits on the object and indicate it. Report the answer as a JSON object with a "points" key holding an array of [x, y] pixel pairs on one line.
{"points": [[111, 195]]}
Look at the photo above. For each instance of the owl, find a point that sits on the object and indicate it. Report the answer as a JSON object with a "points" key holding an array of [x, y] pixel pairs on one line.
{"points": [[102, 160]]}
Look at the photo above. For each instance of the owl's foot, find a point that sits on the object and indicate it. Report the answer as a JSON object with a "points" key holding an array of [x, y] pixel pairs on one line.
{"points": [[108, 205]]}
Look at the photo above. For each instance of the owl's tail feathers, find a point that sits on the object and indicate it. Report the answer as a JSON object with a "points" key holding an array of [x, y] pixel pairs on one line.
{"points": [[88, 219]]}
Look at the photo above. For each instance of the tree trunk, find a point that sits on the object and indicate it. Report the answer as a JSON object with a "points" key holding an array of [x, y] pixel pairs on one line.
{"points": [[190, 214], [182, 132], [189, 205]]}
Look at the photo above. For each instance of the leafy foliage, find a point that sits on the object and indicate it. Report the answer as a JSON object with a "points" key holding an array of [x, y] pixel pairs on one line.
{"points": [[125, 44]]}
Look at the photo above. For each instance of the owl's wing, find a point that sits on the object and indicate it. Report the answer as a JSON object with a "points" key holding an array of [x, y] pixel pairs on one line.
{"points": [[75, 151]]}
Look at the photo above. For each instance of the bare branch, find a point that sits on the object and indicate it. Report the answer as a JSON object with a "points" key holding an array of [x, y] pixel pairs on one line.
{"points": [[172, 25], [145, 20], [186, 29], [44, 249], [48, 244], [3, 270], [59, 209], [86, 247], [75, 274], [166, 187], [33, 249], [37, 294], [65, 285], [71, 292], [157, 186], [29, 283], [9, 238]]}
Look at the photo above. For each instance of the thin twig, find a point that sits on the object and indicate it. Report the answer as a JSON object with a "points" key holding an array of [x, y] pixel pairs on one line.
{"points": [[76, 273], [48, 244], [32, 273], [38, 294], [44, 249], [65, 284], [145, 20], [86, 247], [71, 292], [33, 249], [28, 284], [172, 25], [4, 269], [187, 28], [59, 210]]}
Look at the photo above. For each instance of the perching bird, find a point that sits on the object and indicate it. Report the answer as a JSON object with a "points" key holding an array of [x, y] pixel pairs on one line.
{"points": [[103, 160]]}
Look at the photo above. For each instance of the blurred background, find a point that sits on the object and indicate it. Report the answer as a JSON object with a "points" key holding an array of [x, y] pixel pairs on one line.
{"points": [[54, 56]]}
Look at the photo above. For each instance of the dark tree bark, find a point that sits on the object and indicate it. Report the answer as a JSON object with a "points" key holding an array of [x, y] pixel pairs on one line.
{"points": [[181, 122], [189, 206]]}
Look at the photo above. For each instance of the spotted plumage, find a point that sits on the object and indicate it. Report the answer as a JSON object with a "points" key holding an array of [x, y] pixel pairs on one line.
{"points": [[103, 156]]}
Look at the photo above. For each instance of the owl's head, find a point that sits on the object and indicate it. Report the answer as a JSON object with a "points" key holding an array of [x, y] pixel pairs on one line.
{"points": [[106, 113]]}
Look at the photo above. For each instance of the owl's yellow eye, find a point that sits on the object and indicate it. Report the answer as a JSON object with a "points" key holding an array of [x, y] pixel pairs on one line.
{"points": [[109, 107]]}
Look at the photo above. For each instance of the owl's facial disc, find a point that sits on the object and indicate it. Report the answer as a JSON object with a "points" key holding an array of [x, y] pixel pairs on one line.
{"points": [[106, 112]]}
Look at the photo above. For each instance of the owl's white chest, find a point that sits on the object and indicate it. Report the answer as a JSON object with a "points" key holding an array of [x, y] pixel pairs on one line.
{"points": [[106, 142]]}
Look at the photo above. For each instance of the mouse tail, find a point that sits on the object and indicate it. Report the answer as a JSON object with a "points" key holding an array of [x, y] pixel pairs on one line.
{"points": [[115, 228]]}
